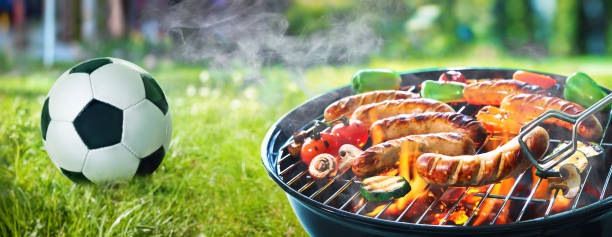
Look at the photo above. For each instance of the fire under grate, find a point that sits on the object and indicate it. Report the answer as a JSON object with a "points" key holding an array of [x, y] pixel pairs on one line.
{"points": [[522, 198]]}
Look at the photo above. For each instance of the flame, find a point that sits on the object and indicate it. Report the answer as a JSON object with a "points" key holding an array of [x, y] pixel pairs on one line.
{"points": [[422, 196], [543, 192], [407, 170]]}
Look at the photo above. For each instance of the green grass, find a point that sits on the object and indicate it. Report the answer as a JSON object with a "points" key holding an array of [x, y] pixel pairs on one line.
{"points": [[211, 181]]}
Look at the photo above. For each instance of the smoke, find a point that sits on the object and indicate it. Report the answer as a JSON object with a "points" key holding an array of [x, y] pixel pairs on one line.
{"points": [[253, 34]]}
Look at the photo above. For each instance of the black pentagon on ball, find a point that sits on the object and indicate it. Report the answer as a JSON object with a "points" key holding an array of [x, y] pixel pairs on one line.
{"points": [[90, 65], [150, 163], [76, 177], [99, 124], [154, 93], [45, 119]]}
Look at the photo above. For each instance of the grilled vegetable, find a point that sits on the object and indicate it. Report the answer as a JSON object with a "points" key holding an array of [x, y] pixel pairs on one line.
{"points": [[569, 182], [583, 90], [579, 158], [351, 132], [533, 78], [496, 121], [452, 76], [384, 188], [346, 154], [323, 143], [375, 79], [322, 166], [444, 91], [298, 140]]}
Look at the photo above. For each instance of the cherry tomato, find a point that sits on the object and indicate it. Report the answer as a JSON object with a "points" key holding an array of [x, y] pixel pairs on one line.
{"points": [[452, 76], [327, 143], [354, 133]]}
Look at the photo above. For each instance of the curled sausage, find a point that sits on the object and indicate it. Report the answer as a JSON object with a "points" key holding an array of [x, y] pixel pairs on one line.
{"points": [[475, 170], [430, 122], [347, 105], [369, 114], [385, 155], [492, 92], [525, 107]]}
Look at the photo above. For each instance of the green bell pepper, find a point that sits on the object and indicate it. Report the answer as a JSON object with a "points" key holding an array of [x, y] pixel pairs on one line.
{"points": [[442, 91], [583, 90], [375, 79]]}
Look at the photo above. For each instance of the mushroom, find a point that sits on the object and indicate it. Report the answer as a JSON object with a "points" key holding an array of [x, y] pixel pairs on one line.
{"points": [[322, 165], [580, 158], [569, 182], [347, 154]]}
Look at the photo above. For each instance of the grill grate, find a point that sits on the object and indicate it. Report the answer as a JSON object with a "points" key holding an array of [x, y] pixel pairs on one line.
{"points": [[342, 192]]}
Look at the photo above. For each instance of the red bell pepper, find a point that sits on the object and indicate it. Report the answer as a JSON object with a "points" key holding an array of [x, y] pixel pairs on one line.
{"points": [[537, 79]]}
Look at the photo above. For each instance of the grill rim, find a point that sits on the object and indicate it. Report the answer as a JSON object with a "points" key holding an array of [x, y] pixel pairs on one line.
{"points": [[575, 216]]}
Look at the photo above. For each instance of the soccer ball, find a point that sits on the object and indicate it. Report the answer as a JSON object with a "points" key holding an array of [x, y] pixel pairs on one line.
{"points": [[106, 119]]}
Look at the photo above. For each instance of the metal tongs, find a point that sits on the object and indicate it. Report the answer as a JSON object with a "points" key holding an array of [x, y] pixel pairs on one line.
{"points": [[542, 165]]}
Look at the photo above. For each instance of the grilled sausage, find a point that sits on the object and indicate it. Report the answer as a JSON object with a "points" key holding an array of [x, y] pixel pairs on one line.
{"points": [[492, 92], [385, 155], [430, 122], [347, 105], [369, 114], [525, 107], [487, 168]]}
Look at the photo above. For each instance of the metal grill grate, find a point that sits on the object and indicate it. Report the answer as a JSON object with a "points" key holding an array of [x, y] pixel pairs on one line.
{"points": [[342, 191]]}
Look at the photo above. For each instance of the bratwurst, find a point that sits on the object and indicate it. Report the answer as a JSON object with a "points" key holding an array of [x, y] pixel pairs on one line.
{"points": [[492, 92], [347, 105], [487, 168], [525, 107], [369, 114], [430, 122], [385, 155]]}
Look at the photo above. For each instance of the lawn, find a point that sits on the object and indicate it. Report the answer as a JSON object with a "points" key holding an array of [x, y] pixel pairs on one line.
{"points": [[211, 181]]}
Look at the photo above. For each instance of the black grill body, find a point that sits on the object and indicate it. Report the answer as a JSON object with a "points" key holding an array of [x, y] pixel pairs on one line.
{"points": [[322, 220]]}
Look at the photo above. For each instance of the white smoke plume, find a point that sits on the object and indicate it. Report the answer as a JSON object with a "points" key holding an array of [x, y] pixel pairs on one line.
{"points": [[253, 34]]}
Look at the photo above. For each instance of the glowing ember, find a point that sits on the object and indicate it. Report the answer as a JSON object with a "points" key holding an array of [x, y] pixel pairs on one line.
{"points": [[449, 209]]}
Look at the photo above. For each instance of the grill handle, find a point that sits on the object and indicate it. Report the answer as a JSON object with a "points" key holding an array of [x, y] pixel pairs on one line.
{"points": [[576, 119]]}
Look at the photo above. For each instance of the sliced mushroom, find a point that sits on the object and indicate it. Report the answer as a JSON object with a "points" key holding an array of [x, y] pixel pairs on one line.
{"points": [[322, 165], [569, 182], [347, 154], [579, 158]]}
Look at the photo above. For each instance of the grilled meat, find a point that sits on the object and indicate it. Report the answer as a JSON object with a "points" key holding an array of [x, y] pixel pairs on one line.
{"points": [[525, 107], [430, 122], [487, 168], [492, 92], [385, 155], [370, 113], [347, 105]]}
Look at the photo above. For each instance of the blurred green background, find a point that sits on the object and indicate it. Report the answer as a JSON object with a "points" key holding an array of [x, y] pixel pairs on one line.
{"points": [[230, 69]]}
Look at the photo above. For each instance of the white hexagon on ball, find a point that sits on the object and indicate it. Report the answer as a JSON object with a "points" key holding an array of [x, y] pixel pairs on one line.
{"points": [[110, 163], [106, 119], [105, 81], [69, 94], [145, 128]]}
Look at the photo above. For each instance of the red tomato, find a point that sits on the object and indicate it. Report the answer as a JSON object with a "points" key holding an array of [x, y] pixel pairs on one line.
{"points": [[452, 76], [354, 133], [328, 143]]}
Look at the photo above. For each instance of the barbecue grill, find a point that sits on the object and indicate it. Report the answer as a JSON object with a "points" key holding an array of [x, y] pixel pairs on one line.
{"points": [[519, 206]]}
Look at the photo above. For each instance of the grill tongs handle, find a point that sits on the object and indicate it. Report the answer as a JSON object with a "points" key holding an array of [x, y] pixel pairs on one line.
{"points": [[574, 119]]}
